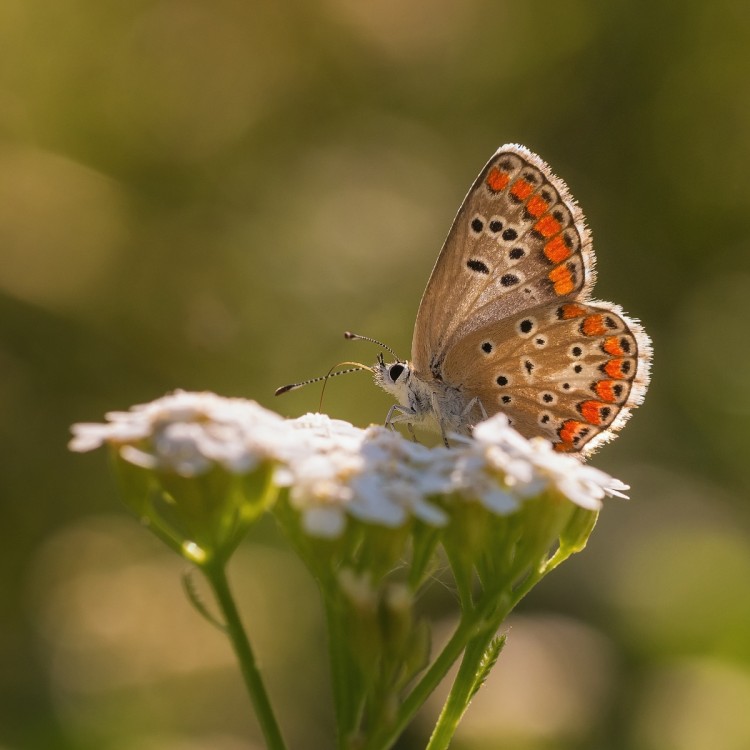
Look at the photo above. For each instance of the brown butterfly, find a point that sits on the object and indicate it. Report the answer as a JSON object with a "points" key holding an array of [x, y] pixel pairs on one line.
{"points": [[506, 322]]}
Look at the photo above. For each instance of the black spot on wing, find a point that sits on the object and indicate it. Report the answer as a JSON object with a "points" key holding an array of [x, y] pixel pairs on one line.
{"points": [[478, 266]]}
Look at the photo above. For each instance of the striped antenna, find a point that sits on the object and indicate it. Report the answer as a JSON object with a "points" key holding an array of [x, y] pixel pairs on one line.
{"points": [[293, 386], [355, 336]]}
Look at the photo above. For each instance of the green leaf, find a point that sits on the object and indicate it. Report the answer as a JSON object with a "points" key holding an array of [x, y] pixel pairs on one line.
{"points": [[489, 658]]}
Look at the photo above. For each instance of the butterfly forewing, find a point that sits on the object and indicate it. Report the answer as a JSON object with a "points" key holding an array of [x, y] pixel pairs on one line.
{"points": [[518, 241], [569, 372]]}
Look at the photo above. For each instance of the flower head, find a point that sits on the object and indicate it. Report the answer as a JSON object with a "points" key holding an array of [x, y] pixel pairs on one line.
{"points": [[335, 471], [187, 433], [532, 465]]}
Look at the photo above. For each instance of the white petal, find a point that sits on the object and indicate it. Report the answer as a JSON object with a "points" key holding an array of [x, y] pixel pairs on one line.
{"points": [[499, 502], [138, 458], [326, 522]]}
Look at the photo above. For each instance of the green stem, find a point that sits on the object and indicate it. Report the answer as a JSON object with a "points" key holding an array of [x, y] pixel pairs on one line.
{"points": [[217, 579], [169, 538], [461, 693], [430, 680], [464, 685], [480, 626], [340, 673]]}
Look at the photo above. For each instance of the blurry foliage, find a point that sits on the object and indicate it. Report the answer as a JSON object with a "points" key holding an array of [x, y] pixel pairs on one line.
{"points": [[205, 195]]}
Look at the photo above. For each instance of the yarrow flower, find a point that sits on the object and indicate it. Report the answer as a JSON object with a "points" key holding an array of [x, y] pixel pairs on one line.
{"points": [[372, 515], [188, 433], [335, 470], [532, 464]]}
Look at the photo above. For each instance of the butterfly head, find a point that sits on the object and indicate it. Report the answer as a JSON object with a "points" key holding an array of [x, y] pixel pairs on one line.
{"points": [[393, 377]]}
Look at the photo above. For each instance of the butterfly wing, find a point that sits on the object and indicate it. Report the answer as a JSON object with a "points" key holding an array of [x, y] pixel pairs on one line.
{"points": [[518, 241], [570, 372]]}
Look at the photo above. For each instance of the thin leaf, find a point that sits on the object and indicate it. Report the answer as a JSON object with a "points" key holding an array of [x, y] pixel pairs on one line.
{"points": [[488, 661], [192, 594]]}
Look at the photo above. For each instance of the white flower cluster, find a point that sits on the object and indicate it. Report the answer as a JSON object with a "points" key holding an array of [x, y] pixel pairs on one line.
{"points": [[334, 470], [188, 433]]}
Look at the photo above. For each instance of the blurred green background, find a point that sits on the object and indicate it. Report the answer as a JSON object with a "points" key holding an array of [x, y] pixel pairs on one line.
{"points": [[206, 195]]}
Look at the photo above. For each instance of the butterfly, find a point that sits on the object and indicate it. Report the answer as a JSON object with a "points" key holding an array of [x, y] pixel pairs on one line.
{"points": [[507, 323]]}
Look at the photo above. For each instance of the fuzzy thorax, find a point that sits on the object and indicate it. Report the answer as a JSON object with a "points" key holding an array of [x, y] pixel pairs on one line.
{"points": [[431, 405]]}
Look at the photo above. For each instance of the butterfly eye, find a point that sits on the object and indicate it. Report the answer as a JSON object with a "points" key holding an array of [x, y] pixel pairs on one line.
{"points": [[395, 372]]}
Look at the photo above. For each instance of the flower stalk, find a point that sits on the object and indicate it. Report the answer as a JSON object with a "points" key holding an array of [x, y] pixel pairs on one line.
{"points": [[217, 579]]}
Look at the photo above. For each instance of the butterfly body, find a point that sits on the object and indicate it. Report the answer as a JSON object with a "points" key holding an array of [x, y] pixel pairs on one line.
{"points": [[506, 322], [425, 401]]}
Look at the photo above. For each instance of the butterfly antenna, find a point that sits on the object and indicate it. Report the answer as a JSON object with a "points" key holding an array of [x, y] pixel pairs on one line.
{"points": [[293, 386], [355, 336]]}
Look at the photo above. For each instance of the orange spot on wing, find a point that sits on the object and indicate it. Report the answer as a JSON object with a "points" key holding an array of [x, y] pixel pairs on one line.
{"points": [[594, 325], [547, 226], [571, 434], [569, 311], [619, 369], [522, 189], [608, 390], [556, 250], [564, 448], [536, 206], [595, 412], [497, 180], [612, 346], [562, 279]]}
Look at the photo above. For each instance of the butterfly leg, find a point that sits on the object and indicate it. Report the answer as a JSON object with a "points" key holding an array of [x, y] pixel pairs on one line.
{"points": [[475, 402], [398, 413], [436, 412], [484, 411]]}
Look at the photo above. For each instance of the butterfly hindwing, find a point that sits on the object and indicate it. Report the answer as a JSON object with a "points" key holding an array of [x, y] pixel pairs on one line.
{"points": [[569, 372], [518, 241]]}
